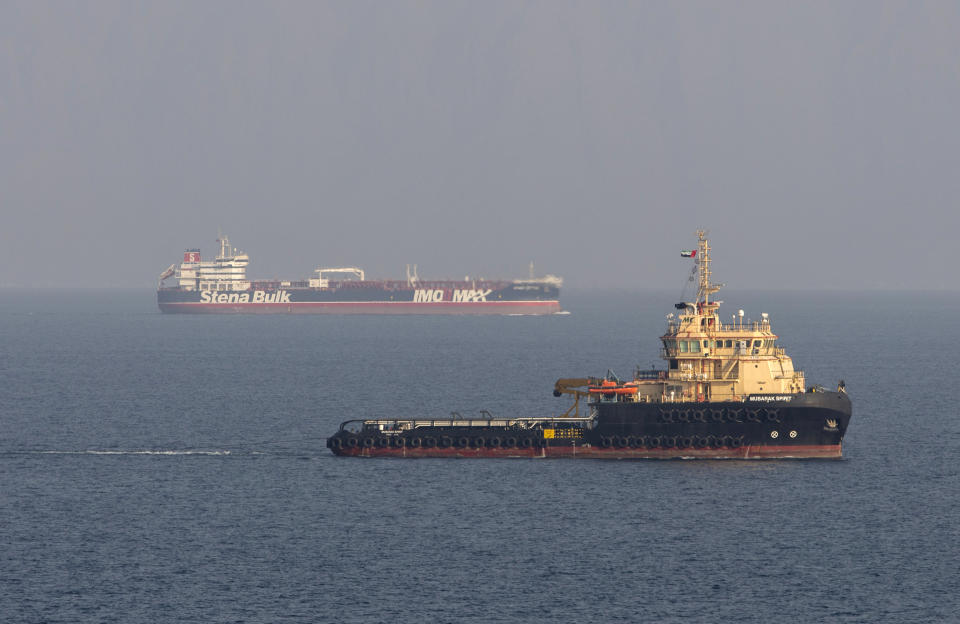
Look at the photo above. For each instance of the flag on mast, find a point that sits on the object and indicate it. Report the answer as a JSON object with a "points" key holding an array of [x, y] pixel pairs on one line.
{"points": [[689, 254]]}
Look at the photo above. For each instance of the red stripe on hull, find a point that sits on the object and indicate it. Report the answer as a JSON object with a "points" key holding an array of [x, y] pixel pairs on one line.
{"points": [[824, 451], [366, 307]]}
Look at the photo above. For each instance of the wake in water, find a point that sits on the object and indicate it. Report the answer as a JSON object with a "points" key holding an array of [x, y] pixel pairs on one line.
{"points": [[130, 452], [242, 449]]}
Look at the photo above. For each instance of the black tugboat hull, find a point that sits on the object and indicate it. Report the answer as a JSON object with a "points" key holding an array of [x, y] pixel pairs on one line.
{"points": [[808, 425], [588, 451], [801, 425]]}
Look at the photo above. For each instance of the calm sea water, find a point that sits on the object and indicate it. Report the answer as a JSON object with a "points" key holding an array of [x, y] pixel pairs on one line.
{"points": [[173, 469]]}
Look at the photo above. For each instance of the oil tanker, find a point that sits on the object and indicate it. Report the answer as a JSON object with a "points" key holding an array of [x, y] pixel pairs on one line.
{"points": [[221, 286], [728, 390]]}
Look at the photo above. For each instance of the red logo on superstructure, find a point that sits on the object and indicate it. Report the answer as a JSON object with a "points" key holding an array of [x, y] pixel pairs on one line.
{"points": [[191, 256]]}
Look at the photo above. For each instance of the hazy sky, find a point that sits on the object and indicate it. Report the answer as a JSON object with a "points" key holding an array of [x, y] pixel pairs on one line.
{"points": [[817, 141]]}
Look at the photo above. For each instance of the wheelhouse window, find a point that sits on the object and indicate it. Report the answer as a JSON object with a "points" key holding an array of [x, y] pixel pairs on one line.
{"points": [[694, 346], [683, 346]]}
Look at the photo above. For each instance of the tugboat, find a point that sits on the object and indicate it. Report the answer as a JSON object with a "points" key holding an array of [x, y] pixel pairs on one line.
{"points": [[728, 391]]}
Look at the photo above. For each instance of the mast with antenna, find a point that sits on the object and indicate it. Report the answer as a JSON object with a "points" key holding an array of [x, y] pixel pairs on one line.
{"points": [[705, 288]]}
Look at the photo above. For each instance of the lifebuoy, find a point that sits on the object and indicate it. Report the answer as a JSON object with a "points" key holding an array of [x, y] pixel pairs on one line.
{"points": [[700, 442], [669, 442], [653, 442], [685, 442], [446, 442], [351, 442], [383, 442], [526, 443], [429, 442], [510, 442], [479, 442], [717, 415], [683, 416], [635, 442], [367, 442], [463, 442], [666, 417], [493, 442], [622, 442], [606, 442], [734, 415], [701, 416], [399, 442], [415, 442], [772, 416]]}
